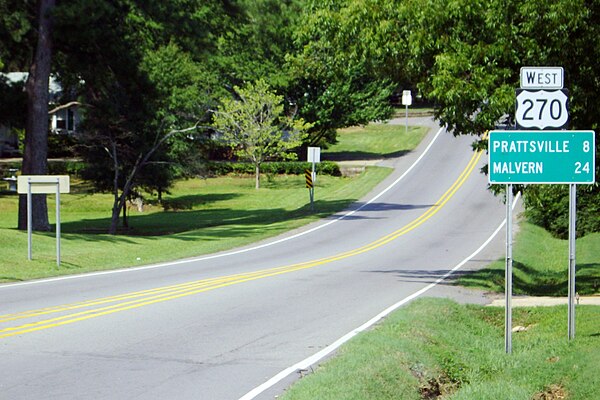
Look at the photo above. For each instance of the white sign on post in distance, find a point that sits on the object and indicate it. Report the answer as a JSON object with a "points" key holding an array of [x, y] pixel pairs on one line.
{"points": [[314, 155], [406, 98], [541, 109]]}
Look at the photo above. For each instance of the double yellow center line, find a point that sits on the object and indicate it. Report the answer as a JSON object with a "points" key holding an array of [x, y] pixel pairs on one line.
{"points": [[52, 317]]}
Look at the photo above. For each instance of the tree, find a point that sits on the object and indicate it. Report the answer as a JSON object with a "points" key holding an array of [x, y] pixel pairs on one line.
{"points": [[339, 72], [255, 46], [144, 99], [138, 126], [462, 55], [254, 125], [17, 36], [36, 128]]}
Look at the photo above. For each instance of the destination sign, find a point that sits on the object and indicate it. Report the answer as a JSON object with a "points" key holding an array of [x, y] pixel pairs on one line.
{"points": [[542, 157]]}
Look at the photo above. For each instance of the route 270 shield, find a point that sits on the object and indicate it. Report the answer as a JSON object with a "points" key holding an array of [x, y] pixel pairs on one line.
{"points": [[542, 109]]}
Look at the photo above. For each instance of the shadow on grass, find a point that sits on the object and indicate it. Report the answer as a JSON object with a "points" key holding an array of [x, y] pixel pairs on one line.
{"points": [[189, 202], [216, 224], [7, 193], [533, 282], [360, 155], [194, 224], [11, 279], [526, 280], [423, 275]]}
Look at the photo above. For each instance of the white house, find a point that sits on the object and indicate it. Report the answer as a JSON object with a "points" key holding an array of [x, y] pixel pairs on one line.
{"points": [[64, 119]]}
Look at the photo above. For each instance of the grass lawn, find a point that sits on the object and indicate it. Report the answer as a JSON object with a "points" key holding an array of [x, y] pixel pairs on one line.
{"points": [[374, 141], [540, 265], [435, 348], [204, 216], [211, 215]]}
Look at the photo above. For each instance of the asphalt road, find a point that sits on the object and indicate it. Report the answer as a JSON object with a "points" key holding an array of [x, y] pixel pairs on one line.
{"points": [[218, 327]]}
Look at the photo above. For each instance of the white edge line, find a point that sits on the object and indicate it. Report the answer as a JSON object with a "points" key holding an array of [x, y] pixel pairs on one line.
{"points": [[235, 252], [315, 358]]}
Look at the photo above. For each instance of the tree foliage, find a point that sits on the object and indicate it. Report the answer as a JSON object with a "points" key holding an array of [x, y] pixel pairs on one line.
{"points": [[255, 46], [144, 94], [337, 75], [17, 18], [147, 72], [253, 123]]}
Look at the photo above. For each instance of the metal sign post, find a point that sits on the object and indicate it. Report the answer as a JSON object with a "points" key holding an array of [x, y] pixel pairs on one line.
{"points": [[43, 184], [29, 220], [572, 234], [57, 222], [406, 101], [311, 189], [314, 157], [508, 272]]}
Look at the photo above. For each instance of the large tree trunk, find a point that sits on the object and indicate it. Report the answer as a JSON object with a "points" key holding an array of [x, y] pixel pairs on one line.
{"points": [[36, 129]]}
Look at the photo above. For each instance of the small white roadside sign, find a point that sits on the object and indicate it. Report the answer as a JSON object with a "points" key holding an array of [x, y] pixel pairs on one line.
{"points": [[314, 155], [43, 184], [406, 98]]}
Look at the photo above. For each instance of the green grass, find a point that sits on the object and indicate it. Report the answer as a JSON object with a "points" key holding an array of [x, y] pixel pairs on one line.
{"points": [[540, 266], [213, 215], [203, 215], [374, 141], [435, 348]]}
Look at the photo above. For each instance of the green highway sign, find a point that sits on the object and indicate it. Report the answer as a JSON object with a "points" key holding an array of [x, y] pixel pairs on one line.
{"points": [[542, 157]]}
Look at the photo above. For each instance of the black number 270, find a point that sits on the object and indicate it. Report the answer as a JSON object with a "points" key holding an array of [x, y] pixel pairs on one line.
{"points": [[555, 109]]}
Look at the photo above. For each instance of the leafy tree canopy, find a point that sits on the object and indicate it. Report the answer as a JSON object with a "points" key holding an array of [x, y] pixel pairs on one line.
{"points": [[336, 78]]}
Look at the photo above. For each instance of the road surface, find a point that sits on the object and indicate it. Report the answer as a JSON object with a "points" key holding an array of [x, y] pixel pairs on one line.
{"points": [[222, 326]]}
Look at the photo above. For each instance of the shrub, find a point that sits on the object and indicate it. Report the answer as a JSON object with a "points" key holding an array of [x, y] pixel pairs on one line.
{"points": [[65, 167], [274, 168], [548, 206]]}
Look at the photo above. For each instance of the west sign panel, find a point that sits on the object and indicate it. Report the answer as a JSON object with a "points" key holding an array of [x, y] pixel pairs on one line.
{"points": [[522, 157], [548, 78]]}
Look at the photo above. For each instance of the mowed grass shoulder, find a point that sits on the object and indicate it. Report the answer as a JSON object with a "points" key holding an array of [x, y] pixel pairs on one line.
{"points": [[199, 216], [540, 265], [435, 348]]}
